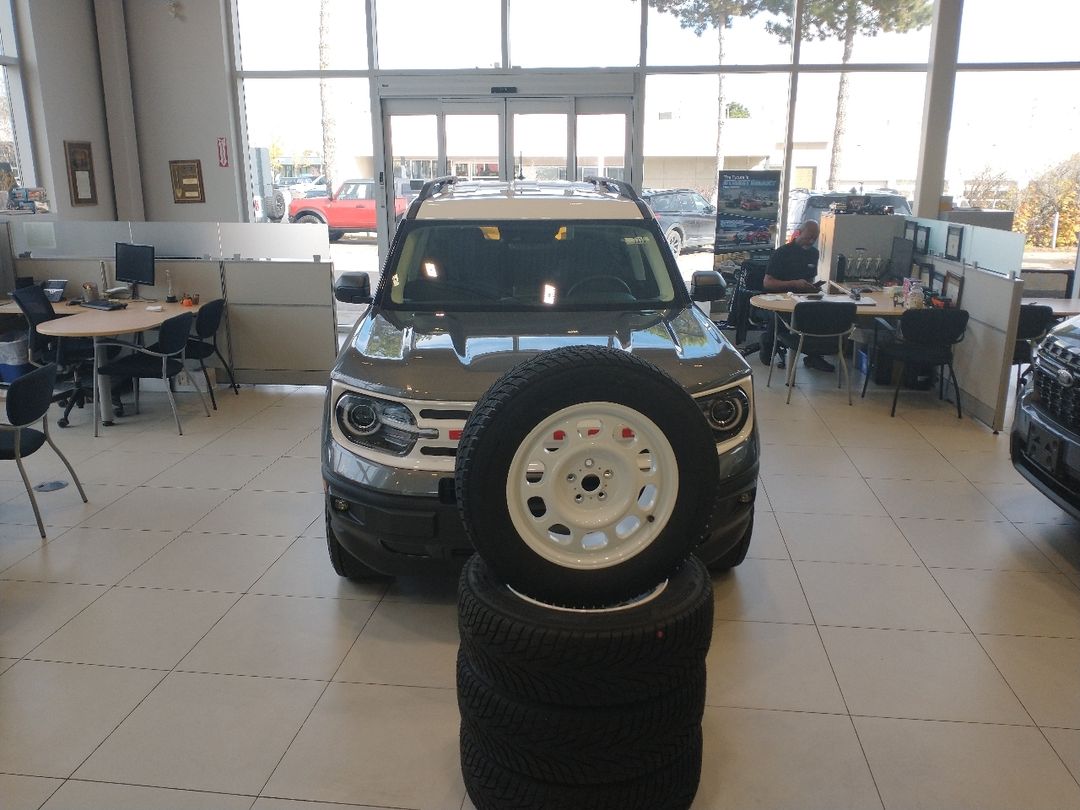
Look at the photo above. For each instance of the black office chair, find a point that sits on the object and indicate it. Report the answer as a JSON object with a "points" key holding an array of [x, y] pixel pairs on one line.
{"points": [[164, 360], [816, 327], [28, 400], [924, 337], [204, 343], [1035, 322], [749, 281], [74, 356]]}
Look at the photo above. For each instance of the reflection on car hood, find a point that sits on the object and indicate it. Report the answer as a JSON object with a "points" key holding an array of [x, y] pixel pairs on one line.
{"points": [[1068, 331], [457, 356]]}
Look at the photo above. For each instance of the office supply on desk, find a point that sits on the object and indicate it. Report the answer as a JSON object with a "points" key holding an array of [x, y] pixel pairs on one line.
{"points": [[103, 303], [54, 289], [155, 308]]}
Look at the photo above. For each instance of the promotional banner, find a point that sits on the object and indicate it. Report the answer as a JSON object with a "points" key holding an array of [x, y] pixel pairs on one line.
{"points": [[747, 207]]}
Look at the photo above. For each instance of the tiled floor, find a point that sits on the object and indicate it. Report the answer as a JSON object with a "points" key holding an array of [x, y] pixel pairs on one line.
{"points": [[905, 632]]}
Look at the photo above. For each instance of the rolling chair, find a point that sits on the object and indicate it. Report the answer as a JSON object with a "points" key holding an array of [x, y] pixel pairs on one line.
{"points": [[163, 361], [28, 400], [816, 327], [204, 343], [74, 356], [1035, 322], [924, 337]]}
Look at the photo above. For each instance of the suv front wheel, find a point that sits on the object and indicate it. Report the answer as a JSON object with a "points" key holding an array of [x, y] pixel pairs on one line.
{"points": [[675, 241]]}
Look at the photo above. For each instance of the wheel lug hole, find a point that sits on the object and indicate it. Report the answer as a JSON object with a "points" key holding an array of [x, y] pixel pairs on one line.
{"points": [[571, 478], [578, 498], [602, 495], [650, 519], [608, 474]]}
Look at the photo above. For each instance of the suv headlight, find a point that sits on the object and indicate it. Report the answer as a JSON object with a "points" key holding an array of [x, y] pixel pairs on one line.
{"points": [[726, 412], [379, 424]]}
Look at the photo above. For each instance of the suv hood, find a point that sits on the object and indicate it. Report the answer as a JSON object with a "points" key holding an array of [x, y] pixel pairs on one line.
{"points": [[1068, 330], [457, 356]]}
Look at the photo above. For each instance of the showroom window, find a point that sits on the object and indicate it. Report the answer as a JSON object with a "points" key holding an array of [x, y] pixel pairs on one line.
{"points": [[436, 34], [999, 159], [605, 33], [686, 32], [16, 168], [307, 35], [867, 31]]}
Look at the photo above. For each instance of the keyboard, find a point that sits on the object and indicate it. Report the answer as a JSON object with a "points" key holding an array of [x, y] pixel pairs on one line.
{"points": [[102, 303]]}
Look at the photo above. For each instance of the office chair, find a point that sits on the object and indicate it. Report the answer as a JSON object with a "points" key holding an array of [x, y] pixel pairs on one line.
{"points": [[74, 356], [28, 400], [749, 281], [204, 343], [1035, 322], [924, 337], [164, 360], [816, 327]]}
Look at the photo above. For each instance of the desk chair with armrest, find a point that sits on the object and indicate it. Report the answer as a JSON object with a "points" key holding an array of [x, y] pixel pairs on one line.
{"points": [[164, 360], [74, 355], [28, 400], [923, 337], [816, 327], [204, 343], [1035, 322]]}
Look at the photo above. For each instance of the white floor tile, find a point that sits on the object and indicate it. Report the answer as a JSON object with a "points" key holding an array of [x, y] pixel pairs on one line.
{"points": [[32, 611], [984, 466], [289, 804], [1059, 542], [883, 596], [304, 570], [772, 760], [243, 442], [53, 715], [920, 463], [766, 542], [90, 556], [159, 509], [226, 472], [136, 627], [289, 474], [845, 538], [766, 665], [954, 500], [18, 542], [226, 733], [26, 792], [920, 675], [760, 590], [281, 637], [827, 462], [972, 544], [1014, 602], [821, 496], [119, 467], [77, 795], [1022, 503], [405, 644], [798, 429], [282, 514], [1043, 673], [209, 562], [369, 744], [1067, 744], [62, 508], [927, 765]]}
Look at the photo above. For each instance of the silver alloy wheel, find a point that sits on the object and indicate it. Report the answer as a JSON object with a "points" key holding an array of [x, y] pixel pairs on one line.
{"points": [[592, 485], [675, 241]]}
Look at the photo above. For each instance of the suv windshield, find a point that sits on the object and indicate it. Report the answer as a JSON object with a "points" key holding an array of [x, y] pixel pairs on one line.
{"points": [[514, 264]]}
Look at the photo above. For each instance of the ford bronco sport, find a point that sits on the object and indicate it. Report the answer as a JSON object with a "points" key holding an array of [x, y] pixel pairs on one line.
{"points": [[480, 277]]}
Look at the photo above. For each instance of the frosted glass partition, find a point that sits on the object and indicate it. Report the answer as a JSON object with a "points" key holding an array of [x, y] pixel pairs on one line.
{"points": [[1000, 251], [938, 231], [271, 240], [46, 238], [180, 240]]}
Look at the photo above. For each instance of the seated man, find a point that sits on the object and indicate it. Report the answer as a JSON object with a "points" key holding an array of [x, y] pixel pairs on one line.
{"points": [[793, 268]]}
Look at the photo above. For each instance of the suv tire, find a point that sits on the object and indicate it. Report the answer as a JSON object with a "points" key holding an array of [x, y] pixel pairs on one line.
{"points": [[576, 745], [585, 658], [493, 787], [585, 475], [675, 241], [344, 563]]}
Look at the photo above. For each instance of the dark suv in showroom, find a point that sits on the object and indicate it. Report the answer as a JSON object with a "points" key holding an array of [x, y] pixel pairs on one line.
{"points": [[687, 219], [1045, 440]]}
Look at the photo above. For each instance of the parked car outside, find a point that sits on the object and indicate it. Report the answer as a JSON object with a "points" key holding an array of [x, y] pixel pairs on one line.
{"points": [[753, 236], [805, 205], [687, 219], [482, 276], [1045, 439], [750, 204], [351, 209]]}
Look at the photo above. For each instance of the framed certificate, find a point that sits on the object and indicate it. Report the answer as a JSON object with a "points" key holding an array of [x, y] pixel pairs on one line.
{"points": [[80, 172], [954, 241], [187, 181]]}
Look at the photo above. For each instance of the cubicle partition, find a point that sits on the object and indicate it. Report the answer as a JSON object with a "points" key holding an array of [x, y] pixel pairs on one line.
{"points": [[279, 322]]}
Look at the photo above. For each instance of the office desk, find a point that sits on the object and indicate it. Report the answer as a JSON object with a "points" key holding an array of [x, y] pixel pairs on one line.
{"points": [[100, 324], [1063, 307]]}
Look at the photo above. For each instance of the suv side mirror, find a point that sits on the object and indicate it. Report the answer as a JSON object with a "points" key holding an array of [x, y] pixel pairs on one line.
{"points": [[707, 285], [710, 209], [353, 288]]}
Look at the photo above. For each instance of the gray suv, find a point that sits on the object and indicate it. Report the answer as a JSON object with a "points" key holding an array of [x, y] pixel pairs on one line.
{"points": [[480, 277], [686, 218]]}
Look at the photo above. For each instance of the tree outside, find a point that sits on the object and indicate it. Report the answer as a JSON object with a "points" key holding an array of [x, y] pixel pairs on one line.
{"points": [[844, 20], [1049, 209]]}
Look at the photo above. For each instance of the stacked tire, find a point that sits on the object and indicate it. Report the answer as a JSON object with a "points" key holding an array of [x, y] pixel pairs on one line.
{"points": [[585, 479]]}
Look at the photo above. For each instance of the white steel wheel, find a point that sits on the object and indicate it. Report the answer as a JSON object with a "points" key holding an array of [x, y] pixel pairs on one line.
{"points": [[592, 485], [585, 476]]}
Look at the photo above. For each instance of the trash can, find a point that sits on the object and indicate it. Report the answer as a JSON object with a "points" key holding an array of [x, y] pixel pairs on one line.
{"points": [[14, 357]]}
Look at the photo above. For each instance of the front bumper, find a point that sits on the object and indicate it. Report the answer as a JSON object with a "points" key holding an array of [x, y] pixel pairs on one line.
{"points": [[1055, 471], [421, 532]]}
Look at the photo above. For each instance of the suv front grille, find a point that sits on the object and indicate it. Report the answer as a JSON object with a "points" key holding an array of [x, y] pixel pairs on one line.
{"points": [[1059, 401]]}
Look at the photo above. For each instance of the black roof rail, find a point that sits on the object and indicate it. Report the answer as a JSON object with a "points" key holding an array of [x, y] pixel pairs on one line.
{"points": [[623, 189], [433, 187]]}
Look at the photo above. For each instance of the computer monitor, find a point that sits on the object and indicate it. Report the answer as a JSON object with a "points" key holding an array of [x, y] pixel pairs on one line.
{"points": [[135, 265], [902, 256]]}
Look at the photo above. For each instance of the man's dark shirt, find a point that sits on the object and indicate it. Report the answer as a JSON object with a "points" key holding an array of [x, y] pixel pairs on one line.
{"points": [[792, 262]]}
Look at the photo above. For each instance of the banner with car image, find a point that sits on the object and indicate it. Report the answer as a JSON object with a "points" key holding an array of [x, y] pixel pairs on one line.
{"points": [[747, 208]]}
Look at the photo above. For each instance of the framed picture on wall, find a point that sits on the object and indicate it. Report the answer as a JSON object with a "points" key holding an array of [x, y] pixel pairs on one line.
{"points": [[953, 287], [954, 240], [80, 171], [187, 182], [922, 239], [909, 230]]}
